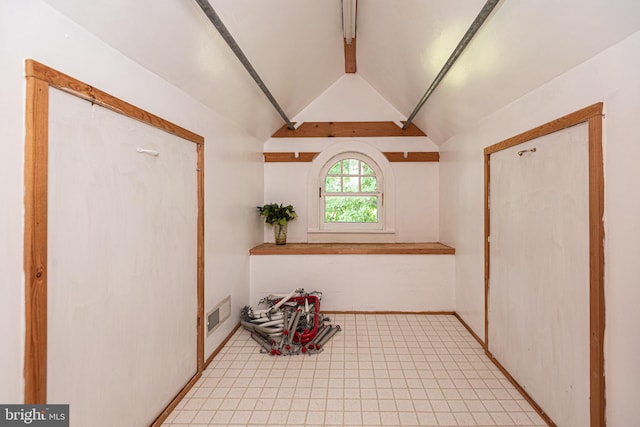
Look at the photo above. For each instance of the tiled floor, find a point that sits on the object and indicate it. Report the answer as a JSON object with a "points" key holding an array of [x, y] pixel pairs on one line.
{"points": [[380, 370]]}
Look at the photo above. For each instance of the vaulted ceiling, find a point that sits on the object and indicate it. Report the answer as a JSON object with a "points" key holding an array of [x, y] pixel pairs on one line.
{"points": [[297, 48]]}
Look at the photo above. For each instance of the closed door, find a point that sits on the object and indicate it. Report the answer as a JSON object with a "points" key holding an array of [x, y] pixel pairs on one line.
{"points": [[122, 257], [538, 298]]}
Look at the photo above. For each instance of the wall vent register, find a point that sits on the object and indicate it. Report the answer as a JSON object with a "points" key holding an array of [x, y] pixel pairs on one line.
{"points": [[217, 315]]}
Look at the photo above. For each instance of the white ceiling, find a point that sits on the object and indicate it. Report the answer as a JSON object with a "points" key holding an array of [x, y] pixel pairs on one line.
{"points": [[523, 44], [296, 47]]}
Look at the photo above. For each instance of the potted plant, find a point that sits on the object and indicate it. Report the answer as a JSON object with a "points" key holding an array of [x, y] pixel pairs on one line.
{"points": [[278, 215]]}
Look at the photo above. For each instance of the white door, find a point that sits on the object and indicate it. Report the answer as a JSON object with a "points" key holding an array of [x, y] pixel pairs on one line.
{"points": [[122, 251], [539, 270]]}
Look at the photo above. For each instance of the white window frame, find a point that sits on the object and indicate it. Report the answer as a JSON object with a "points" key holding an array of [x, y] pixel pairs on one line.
{"points": [[384, 229], [351, 226]]}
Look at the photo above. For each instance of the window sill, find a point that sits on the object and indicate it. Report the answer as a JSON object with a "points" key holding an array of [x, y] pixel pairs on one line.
{"points": [[420, 248], [357, 236]]}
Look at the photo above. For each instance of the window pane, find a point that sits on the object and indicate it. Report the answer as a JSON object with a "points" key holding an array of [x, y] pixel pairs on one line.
{"points": [[369, 184], [332, 184], [335, 169], [366, 170], [351, 184], [351, 209], [351, 167]]}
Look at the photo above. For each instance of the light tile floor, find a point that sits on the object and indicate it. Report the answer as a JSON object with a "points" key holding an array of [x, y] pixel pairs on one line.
{"points": [[380, 370]]}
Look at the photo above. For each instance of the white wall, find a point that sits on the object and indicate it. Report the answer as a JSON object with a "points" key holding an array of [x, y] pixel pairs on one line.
{"points": [[360, 282], [380, 282], [610, 77], [351, 98], [233, 164], [416, 186]]}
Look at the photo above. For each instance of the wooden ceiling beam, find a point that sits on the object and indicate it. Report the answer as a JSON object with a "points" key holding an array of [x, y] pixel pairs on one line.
{"points": [[347, 129], [350, 56], [349, 14], [392, 156]]}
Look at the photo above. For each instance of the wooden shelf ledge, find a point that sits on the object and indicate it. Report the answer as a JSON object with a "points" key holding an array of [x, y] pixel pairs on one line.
{"points": [[422, 248]]}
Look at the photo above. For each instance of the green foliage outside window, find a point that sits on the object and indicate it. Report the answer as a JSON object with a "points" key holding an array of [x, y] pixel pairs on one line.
{"points": [[346, 186], [351, 209]]}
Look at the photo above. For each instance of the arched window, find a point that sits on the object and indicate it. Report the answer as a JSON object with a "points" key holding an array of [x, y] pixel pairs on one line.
{"points": [[351, 193]]}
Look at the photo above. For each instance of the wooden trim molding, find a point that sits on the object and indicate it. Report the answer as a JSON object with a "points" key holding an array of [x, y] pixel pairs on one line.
{"points": [[39, 79], [506, 373], [82, 90], [289, 157], [521, 389], [176, 400], [426, 248], [350, 56], [563, 122], [221, 346], [200, 266], [392, 312], [487, 233], [346, 130], [596, 272], [412, 156], [593, 116], [392, 156], [468, 328], [35, 241]]}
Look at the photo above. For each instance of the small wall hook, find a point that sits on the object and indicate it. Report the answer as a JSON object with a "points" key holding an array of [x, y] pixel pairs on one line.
{"points": [[531, 150], [153, 153]]}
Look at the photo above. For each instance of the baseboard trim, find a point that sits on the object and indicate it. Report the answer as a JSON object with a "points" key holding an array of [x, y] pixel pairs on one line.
{"points": [[518, 387], [468, 328], [182, 393], [429, 313], [506, 373], [221, 346], [176, 400]]}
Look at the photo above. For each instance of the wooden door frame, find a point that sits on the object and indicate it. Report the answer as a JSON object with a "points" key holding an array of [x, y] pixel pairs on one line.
{"points": [[593, 116], [39, 79]]}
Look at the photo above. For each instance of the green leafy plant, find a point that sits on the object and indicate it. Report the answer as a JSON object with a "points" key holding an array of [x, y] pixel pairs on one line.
{"points": [[277, 213], [351, 209]]}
